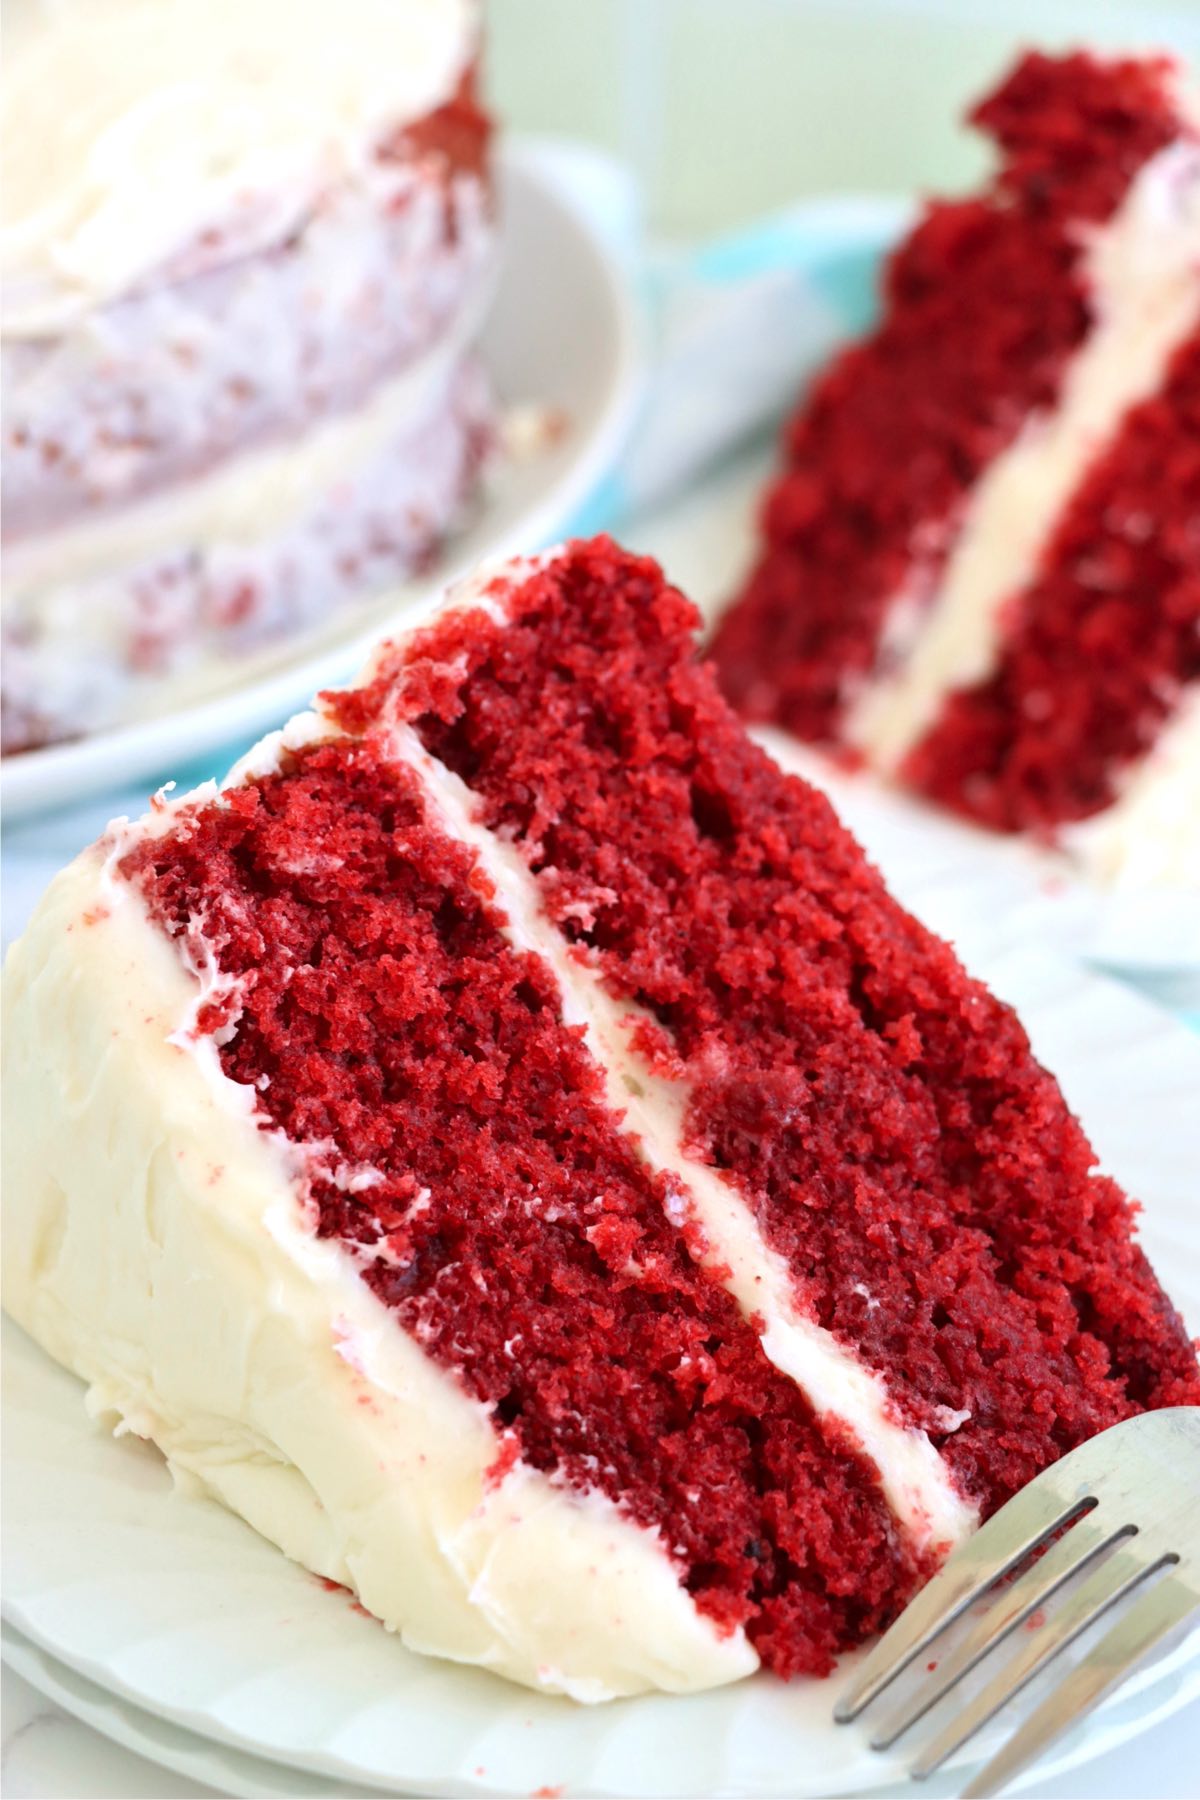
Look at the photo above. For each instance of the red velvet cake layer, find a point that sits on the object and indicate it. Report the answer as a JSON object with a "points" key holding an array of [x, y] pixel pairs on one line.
{"points": [[1099, 645], [882, 1113], [506, 1220], [984, 305]]}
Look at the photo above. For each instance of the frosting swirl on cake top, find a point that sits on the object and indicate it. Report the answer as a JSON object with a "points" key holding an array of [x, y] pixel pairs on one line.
{"points": [[146, 135]]}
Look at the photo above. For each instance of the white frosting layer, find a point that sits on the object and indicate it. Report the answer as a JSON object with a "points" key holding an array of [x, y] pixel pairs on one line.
{"points": [[98, 651], [135, 130], [155, 1243], [913, 1476], [1143, 272], [160, 385]]}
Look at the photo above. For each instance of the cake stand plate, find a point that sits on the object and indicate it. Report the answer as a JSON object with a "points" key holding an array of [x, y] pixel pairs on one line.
{"points": [[181, 1611]]}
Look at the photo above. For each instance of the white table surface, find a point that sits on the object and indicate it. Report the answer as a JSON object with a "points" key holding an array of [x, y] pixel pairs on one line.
{"points": [[47, 1755]]}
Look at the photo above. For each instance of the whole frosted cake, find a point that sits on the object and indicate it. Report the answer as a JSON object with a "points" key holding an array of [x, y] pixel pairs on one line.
{"points": [[980, 563], [245, 247], [507, 1144]]}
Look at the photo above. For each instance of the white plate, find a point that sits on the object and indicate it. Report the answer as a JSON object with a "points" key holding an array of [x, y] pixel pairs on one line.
{"points": [[165, 1745], [561, 332], [971, 877], [235, 1772], [180, 1609]]}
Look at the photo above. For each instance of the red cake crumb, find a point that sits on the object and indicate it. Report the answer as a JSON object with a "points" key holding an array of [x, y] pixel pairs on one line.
{"points": [[984, 305], [509, 1224], [1102, 642], [922, 1175], [456, 136]]}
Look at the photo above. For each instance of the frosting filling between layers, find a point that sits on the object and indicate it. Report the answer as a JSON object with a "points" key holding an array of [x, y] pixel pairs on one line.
{"points": [[463, 1150], [918, 1485], [1142, 273], [156, 1243], [880, 1113]]}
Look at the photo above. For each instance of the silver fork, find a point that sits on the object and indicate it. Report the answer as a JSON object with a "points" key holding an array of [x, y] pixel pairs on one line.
{"points": [[1127, 1504]]}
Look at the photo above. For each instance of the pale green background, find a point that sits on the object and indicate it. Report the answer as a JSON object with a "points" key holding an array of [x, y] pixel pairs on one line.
{"points": [[730, 107]]}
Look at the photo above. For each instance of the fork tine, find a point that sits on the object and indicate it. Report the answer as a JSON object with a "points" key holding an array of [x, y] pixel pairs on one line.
{"points": [[1151, 1618], [988, 1555], [1085, 1541], [1116, 1576]]}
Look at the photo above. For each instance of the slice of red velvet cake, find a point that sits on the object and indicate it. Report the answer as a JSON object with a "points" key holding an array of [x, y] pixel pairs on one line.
{"points": [[980, 564], [509, 1146]]}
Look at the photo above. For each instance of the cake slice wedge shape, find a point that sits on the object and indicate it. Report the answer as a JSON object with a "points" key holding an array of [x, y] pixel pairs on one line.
{"points": [[977, 571], [507, 1145]]}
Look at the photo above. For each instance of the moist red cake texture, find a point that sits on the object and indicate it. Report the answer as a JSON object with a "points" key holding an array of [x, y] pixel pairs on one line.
{"points": [[882, 1114], [1100, 645], [984, 305], [524, 1244]]}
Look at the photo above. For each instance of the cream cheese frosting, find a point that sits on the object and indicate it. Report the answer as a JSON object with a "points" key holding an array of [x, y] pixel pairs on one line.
{"points": [[137, 130], [156, 1243], [107, 649], [159, 1245], [251, 497], [916, 1481], [1143, 273]]}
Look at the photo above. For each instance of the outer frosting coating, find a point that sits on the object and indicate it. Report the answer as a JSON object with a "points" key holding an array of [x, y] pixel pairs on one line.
{"points": [[315, 1416], [156, 1244], [163, 384], [234, 293], [251, 497], [165, 629], [137, 129]]}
